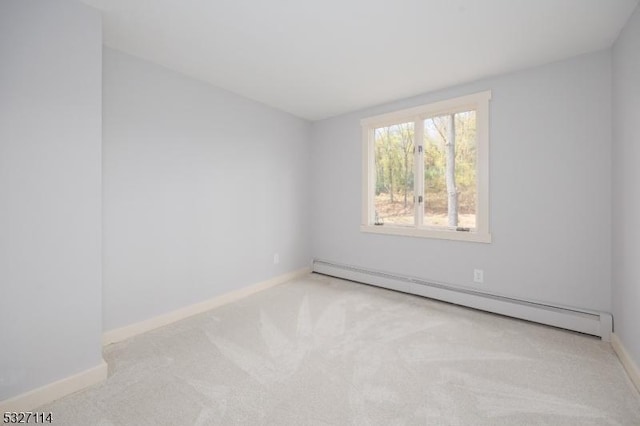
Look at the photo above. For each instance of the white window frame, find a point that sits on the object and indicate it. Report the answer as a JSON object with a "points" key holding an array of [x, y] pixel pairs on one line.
{"points": [[478, 102]]}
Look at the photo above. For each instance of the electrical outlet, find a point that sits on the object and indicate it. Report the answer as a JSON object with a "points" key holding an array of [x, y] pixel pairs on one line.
{"points": [[478, 276], [276, 259]]}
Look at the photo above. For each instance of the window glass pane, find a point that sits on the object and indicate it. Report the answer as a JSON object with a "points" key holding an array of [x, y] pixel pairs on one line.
{"points": [[466, 155], [450, 170], [394, 150]]}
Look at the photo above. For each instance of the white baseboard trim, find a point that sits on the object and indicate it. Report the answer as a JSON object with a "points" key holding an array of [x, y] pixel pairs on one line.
{"points": [[570, 318], [123, 333], [56, 390], [627, 362]]}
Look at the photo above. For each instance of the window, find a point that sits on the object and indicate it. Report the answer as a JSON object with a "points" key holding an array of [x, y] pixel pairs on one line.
{"points": [[426, 170]]}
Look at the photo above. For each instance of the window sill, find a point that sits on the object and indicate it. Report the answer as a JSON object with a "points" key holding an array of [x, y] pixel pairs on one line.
{"points": [[427, 233]]}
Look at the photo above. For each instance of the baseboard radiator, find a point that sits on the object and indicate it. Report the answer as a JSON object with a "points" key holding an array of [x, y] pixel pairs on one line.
{"points": [[584, 321]]}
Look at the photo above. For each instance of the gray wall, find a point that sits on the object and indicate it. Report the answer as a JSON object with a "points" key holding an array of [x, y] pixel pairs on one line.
{"points": [[201, 188], [550, 191], [626, 186], [50, 213]]}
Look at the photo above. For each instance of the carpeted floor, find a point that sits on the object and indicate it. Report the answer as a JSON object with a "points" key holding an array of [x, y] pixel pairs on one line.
{"points": [[322, 351]]}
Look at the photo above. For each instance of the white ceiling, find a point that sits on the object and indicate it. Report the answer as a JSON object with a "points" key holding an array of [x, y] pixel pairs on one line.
{"points": [[317, 59]]}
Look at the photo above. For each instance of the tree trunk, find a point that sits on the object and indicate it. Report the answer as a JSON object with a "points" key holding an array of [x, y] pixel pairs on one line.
{"points": [[406, 177], [380, 181], [452, 192], [391, 181]]}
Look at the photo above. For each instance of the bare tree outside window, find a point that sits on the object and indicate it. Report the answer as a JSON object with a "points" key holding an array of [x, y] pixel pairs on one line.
{"points": [[449, 170]]}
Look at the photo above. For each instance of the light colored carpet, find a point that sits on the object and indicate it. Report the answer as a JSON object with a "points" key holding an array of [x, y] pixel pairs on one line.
{"points": [[322, 351]]}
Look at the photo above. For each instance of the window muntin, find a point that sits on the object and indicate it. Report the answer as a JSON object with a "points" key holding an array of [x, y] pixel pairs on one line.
{"points": [[444, 192]]}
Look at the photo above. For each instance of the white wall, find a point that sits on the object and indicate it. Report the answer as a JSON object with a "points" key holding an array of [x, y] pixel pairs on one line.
{"points": [[626, 186], [201, 188], [550, 199], [50, 213]]}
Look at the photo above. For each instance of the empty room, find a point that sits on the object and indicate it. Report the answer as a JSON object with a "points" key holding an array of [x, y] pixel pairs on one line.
{"points": [[356, 212]]}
